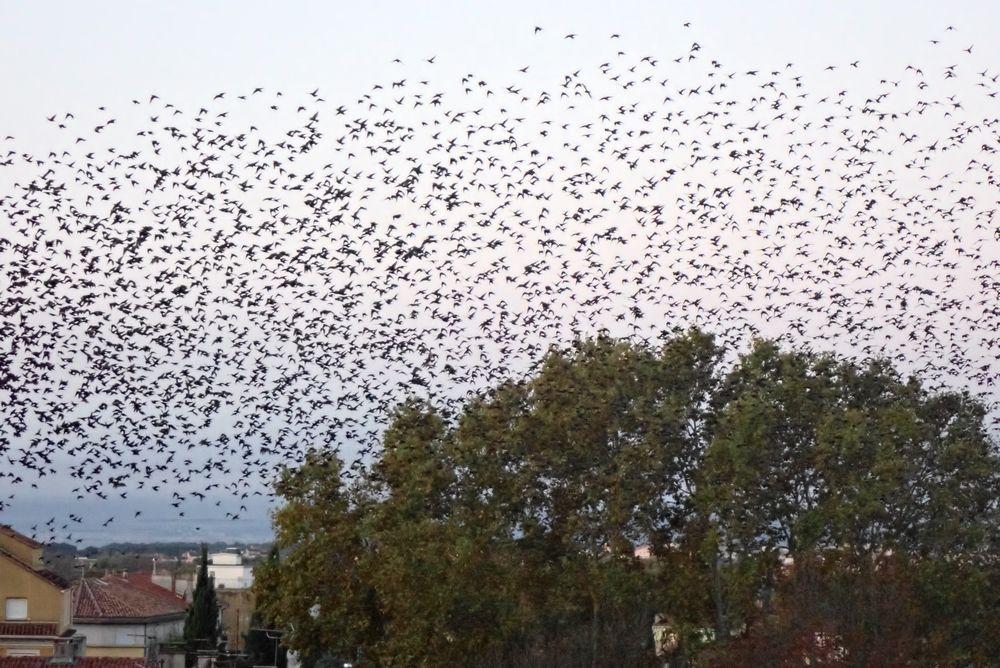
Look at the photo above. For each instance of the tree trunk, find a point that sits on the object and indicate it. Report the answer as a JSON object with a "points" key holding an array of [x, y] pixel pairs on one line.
{"points": [[594, 608], [718, 599]]}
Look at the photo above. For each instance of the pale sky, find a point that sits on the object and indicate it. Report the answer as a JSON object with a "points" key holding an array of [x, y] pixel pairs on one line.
{"points": [[74, 57]]}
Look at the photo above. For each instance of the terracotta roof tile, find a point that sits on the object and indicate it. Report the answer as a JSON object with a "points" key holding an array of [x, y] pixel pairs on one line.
{"points": [[145, 582], [113, 598], [81, 662], [29, 629]]}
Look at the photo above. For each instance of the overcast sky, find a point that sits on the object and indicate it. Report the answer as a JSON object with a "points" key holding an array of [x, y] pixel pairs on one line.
{"points": [[71, 56]]}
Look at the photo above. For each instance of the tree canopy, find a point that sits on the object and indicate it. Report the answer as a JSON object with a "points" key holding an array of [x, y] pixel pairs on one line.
{"points": [[788, 504]]}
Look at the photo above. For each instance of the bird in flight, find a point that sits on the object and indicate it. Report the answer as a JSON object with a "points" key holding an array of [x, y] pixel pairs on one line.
{"points": [[196, 294]]}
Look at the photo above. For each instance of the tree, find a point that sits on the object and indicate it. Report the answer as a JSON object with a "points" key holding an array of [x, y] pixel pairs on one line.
{"points": [[201, 626], [577, 466], [798, 506], [262, 648], [319, 595], [827, 461], [509, 533]]}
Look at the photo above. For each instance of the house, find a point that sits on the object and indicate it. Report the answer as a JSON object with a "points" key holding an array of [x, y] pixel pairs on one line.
{"points": [[36, 613], [228, 570], [126, 614]]}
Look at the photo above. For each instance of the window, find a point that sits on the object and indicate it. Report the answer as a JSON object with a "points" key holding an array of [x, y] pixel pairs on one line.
{"points": [[16, 608]]}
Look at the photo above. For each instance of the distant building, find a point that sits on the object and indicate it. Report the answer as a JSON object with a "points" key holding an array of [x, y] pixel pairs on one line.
{"points": [[229, 571], [126, 615], [35, 603]]}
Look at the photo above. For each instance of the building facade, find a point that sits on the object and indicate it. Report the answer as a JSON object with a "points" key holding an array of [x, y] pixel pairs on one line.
{"points": [[228, 570], [233, 581], [235, 610], [35, 604]]}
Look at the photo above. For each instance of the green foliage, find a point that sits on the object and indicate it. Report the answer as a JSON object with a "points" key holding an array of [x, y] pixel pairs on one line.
{"points": [[818, 455], [319, 595], [261, 648], [201, 627], [169, 549], [506, 536]]}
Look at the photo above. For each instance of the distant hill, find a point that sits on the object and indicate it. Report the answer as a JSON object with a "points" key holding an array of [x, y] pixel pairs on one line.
{"points": [[170, 549], [61, 557]]}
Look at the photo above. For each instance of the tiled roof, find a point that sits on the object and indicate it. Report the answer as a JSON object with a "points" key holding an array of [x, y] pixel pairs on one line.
{"points": [[80, 662], [49, 576], [29, 629], [145, 582], [7, 530], [114, 598]]}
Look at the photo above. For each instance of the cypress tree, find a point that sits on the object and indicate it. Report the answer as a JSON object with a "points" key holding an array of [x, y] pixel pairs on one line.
{"points": [[201, 627]]}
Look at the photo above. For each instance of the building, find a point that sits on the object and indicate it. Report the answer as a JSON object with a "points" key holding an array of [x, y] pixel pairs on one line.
{"points": [[35, 604], [235, 610], [182, 585], [228, 570], [233, 580], [126, 615]]}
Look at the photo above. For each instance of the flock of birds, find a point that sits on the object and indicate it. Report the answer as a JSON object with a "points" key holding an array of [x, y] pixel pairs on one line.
{"points": [[190, 296]]}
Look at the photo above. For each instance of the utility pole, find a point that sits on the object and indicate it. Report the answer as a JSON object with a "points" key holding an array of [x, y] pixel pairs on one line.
{"points": [[276, 637]]}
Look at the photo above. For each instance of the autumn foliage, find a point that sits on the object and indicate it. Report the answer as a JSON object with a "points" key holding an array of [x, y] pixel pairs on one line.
{"points": [[797, 508]]}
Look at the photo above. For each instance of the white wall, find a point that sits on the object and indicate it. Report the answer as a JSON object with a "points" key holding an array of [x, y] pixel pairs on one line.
{"points": [[231, 576], [128, 635], [112, 635], [225, 558]]}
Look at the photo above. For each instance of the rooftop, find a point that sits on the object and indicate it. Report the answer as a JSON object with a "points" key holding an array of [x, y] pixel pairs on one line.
{"points": [[79, 662], [29, 629], [47, 575], [8, 530], [114, 598]]}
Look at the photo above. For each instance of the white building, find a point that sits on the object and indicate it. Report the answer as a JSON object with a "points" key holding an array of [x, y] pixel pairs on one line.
{"points": [[229, 571]]}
